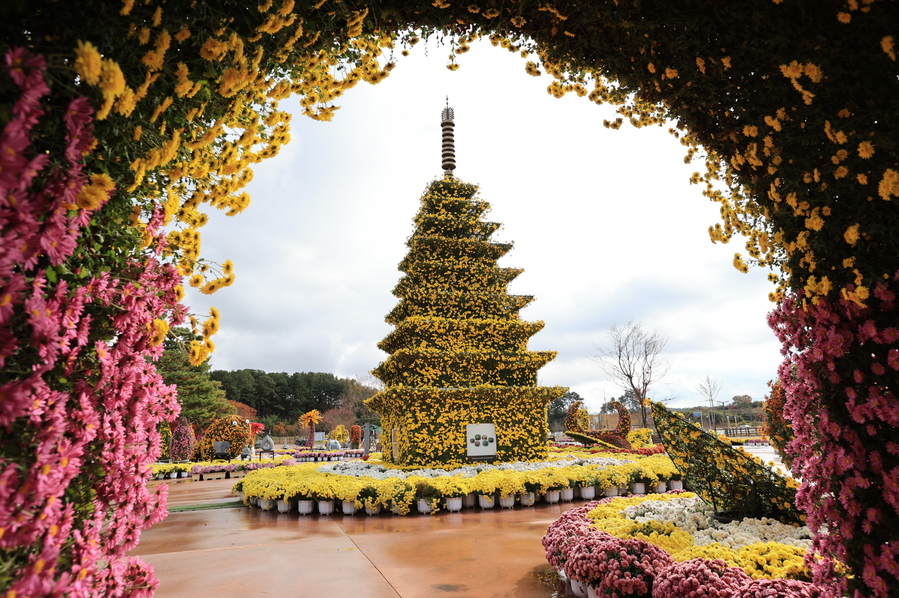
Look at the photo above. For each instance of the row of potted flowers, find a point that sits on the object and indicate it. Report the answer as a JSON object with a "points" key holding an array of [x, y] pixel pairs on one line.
{"points": [[666, 546], [304, 483], [303, 456], [206, 468]]}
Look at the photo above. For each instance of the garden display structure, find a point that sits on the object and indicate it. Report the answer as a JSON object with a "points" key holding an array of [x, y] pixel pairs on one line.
{"points": [[458, 354], [121, 122]]}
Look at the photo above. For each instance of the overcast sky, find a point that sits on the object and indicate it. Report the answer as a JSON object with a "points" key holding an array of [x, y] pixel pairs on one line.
{"points": [[605, 224]]}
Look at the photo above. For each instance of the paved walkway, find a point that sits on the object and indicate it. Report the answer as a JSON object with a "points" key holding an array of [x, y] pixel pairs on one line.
{"points": [[248, 552]]}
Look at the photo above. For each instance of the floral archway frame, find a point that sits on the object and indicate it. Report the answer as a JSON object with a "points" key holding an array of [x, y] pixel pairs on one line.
{"points": [[120, 121]]}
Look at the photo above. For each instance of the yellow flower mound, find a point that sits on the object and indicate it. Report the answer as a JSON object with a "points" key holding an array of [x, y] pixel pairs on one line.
{"points": [[771, 560]]}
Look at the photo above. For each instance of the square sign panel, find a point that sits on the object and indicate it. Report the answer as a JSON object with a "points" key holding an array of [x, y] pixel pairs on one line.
{"points": [[481, 440]]}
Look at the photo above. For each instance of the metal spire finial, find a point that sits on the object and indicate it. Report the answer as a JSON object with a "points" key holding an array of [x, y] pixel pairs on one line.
{"points": [[448, 153]]}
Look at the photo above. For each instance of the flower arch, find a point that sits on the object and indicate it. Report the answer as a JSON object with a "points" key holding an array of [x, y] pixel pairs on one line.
{"points": [[121, 122]]}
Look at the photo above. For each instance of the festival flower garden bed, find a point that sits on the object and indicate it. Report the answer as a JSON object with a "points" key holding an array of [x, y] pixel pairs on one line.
{"points": [[201, 470], [373, 486], [672, 546]]}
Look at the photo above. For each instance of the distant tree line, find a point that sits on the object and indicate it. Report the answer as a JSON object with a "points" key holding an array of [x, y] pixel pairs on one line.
{"points": [[281, 395]]}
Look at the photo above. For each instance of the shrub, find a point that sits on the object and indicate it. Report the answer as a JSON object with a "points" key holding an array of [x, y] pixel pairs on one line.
{"points": [[233, 430]]}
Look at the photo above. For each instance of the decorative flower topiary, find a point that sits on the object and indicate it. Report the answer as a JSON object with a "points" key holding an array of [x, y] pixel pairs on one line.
{"points": [[230, 429], [355, 435], [624, 419], [339, 433], [577, 420], [732, 481], [309, 420], [183, 441], [165, 440]]}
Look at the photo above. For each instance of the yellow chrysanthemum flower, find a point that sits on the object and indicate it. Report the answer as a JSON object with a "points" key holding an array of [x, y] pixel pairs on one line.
{"points": [[88, 62]]}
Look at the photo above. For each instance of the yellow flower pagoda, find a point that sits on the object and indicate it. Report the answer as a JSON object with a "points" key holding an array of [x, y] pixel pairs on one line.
{"points": [[460, 383]]}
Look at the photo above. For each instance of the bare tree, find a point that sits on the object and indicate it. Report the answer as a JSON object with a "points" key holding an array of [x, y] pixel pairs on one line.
{"points": [[709, 388], [632, 358]]}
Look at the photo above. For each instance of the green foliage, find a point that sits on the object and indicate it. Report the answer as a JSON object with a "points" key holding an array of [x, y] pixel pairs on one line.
{"points": [[732, 481], [776, 427], [282, 395]]}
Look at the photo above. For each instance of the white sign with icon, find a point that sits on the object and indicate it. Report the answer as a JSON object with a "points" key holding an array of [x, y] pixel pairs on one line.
{"points": [[481, 440]]}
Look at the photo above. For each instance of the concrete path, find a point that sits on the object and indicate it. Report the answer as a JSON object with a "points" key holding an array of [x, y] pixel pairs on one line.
{"points": [[248, 552]]}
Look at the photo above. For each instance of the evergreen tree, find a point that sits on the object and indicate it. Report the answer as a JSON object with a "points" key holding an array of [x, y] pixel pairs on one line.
{"points": [[458, 353], [202, 399]]}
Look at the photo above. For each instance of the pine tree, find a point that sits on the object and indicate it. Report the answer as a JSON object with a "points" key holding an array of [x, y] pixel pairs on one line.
{"points": [[458, 354], [202, 399]]}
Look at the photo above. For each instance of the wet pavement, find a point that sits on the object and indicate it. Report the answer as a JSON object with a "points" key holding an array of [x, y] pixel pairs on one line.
{"points": [[244, 552]]}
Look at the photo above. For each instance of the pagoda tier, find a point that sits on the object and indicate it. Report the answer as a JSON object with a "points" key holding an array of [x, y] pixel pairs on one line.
{"points": [[455, 276], [460, 335], [457, 304], [457, 369]]}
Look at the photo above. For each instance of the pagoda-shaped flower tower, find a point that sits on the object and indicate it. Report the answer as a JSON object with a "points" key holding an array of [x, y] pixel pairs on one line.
{"points": [[460, 383]]}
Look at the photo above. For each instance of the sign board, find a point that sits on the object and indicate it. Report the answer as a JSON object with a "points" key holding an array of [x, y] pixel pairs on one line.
{"points": [[697, 413], [319, 436], [481, 440]]}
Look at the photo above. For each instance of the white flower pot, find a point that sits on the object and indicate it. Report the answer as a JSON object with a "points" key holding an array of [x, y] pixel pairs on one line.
{"points": [[592, 592], [326, 507], [423, 505], [454, 504], [660, 488], [552, 496], [676, 484], [578, 588], [567, 494], [527, 499], [266, 504], [610, 492], [507, 502], [305, 507], [638, 488], [349, 508], [587, 492], [285, 506], [486, 502], [173, 475], [622, 490], [469, 500], [373, 510], [182, 474]]}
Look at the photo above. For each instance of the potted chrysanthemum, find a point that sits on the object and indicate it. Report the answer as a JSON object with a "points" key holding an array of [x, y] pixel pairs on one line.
{"points": [[610, 566]]}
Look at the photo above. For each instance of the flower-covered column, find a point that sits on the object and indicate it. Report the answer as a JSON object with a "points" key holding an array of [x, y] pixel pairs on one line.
{"points": [[840, 376]]}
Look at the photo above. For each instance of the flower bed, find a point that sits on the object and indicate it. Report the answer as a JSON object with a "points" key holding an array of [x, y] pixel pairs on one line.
{"points": [[373, 486], [665, 540], [310, 456], [161, 470]]}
